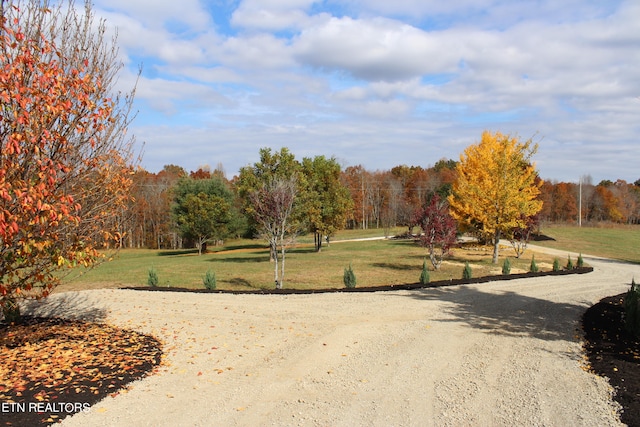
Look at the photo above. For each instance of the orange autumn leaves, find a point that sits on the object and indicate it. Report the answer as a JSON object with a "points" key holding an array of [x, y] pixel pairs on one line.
{"points": [[496, 186], [61, 173], [53, 358], [57, 360]]}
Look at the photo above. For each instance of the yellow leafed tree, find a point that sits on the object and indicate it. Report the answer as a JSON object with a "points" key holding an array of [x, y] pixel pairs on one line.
{"points": [[496, 186]]}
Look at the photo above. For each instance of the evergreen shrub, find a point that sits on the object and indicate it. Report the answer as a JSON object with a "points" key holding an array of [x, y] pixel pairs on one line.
{"points": [[152, 279], [349, 278], [570, 263], [209, 280], [424, 276], [632, 309], [467, 273], [506, 267]]}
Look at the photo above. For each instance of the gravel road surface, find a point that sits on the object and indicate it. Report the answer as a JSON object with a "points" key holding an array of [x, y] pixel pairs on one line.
{"points": [[502, 353]]}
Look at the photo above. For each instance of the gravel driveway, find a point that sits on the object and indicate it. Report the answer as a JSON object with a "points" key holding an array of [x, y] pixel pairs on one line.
{"points": [[502, 353]]}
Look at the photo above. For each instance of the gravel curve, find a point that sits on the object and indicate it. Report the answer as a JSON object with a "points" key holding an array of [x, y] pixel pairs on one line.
{"points": [[502, 353]]}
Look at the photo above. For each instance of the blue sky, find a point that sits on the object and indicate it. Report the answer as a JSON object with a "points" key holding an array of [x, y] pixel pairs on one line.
{"points": [[383, 83]]}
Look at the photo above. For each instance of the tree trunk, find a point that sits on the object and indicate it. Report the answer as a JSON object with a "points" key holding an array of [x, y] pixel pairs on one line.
{"points": [[274, 255], [273, 252], [496, 246], [282, 267]]}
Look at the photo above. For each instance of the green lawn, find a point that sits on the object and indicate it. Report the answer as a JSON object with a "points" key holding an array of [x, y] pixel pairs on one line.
{"points": [[244, 264], [617, 242]]}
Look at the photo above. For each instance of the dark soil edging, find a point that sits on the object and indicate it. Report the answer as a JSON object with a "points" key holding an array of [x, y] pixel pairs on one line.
{"points": [[407, 286], [614, 353]]}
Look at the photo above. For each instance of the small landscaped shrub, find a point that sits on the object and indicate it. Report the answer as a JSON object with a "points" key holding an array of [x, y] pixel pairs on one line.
{"points": [[580, 261], [556, 264], [424, 276], [569, 263], [152, 279], [349, 278], [632, 309], [506, 267], [466, 273], [533, 267], [209, 280]]}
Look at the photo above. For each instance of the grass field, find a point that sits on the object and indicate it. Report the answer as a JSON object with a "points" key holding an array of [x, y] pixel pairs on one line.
{"points": [[244, 264], [620, 242]]}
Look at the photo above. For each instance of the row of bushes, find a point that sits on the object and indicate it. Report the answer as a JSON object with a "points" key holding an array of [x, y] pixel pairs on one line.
{"points": [[533, 267], [209, 280], [349, 277]]}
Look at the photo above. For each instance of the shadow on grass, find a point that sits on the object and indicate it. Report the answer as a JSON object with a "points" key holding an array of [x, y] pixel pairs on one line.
{"points": [[542, 238], [305, 250], [399, 267], [177, 252], [243, 247], [507, 313], [239, 281], [256, 257]]}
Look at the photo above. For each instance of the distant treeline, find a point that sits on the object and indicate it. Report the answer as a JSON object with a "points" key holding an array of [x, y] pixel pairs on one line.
{"points": [[381, 199]]}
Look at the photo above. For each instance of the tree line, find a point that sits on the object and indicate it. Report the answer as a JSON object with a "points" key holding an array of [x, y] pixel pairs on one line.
{"points": [[379, 199], [334, 198], [608, 201]]}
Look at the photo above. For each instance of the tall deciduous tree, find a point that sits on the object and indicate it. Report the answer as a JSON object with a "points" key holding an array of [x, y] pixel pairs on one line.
{"points": [[273, 205], [496, 186], [280, 166], [203, 217], [65, 162], [202, 210], [326, 201], [356, 179]]}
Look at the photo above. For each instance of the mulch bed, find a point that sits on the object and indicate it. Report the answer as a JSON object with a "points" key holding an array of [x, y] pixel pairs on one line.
{"points": [[399, 287], [51, 368], [614, 353]]}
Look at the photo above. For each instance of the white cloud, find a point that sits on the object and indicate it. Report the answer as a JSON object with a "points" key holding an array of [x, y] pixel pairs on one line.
{"points": [[168, 96], [375, 49], [137, 40], [158, 14], [255, 52], [488, 14], [272, 15]]}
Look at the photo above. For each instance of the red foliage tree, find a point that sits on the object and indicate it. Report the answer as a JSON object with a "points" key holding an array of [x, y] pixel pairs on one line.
{"points": [[438, 229], [519, 236], [64, 162]]}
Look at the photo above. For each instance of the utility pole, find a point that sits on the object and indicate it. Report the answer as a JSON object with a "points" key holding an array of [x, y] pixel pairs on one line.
{"points": [[580, 203]]}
